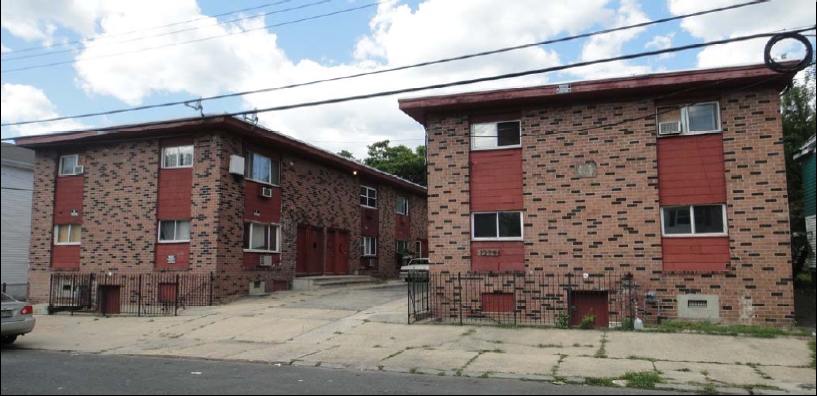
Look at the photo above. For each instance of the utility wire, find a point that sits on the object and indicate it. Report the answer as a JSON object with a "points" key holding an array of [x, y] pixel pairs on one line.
{"points": [[296, 21], [104, 44], [148, 29], [382, 71], [482, 79]]}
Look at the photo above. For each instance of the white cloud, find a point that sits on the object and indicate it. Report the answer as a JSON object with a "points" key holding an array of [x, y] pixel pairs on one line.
{"points": [[38, 20], [661, 42], [25, 102], [4, 49], [772, 16]]}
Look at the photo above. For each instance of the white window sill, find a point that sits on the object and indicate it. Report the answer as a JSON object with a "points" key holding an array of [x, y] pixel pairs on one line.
{"points": [[690, 134], [178, 167], [365, 256], [173, 242], [68, 244], [520, 239], [262, 182], [402, 214], [70, 174], [368, 207], [262, 251], [693, 235], [518, 146]]}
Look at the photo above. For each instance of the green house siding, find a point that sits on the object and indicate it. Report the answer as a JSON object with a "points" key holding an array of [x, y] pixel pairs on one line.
{"points": [[809, 187]]}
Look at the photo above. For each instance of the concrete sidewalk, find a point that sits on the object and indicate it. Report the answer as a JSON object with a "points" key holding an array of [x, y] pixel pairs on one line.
{"points": [[342, 329]]}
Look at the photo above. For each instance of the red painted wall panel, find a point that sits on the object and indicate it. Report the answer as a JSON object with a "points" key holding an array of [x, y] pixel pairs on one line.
{"points": [[696, 254], [496, 180], [369, 222], [269, 209], [175, 193], [68, 197], [65, 257], [691, 170], [253, 260], [497, 302], [180, 250], [511, 256], [402, 224]]}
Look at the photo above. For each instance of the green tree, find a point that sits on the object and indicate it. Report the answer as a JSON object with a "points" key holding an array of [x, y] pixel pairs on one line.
{"points": [[399, 160], [799, 124], [347, 154]]}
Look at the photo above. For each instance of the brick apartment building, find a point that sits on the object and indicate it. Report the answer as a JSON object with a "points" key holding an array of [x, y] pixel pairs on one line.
{"points": [[213, 195], [676, 178]]}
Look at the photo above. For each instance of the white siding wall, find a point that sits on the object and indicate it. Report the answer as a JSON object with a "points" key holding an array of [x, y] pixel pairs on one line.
{"points": [[17, 179], [811, 230]]}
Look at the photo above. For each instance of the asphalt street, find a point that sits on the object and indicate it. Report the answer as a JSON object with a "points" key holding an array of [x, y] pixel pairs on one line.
{"points": [[28, 372]]}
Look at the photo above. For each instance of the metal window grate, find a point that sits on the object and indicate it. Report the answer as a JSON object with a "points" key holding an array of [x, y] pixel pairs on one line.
{"points": [[697, 304]]}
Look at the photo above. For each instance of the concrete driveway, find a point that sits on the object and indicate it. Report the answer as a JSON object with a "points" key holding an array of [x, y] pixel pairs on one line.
{"points": [[365, 329]]}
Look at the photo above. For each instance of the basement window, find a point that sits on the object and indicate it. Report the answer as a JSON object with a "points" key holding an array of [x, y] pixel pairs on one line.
{"points": [[698, 220], [174, 231], [497, 226], [496, 135]]}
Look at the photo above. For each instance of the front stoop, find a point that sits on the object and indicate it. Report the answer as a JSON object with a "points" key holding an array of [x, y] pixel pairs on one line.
{"points": [[312, 283]]}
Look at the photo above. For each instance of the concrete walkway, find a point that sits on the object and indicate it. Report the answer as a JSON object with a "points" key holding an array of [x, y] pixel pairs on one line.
{"points": [[346, 329]]}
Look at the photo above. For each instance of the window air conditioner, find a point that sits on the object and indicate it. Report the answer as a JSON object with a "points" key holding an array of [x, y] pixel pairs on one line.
{"points": [[669, 128], [79, 169], [266, 192], [266, 261]]}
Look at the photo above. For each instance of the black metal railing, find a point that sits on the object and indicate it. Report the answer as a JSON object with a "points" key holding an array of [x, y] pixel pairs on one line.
{"points": [[150, 294], [522, 299]]}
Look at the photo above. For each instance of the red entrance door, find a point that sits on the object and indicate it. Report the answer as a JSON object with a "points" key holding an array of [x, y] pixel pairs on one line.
{"points": [[337, 251], [309, 260], [590, 303], [110, 300]]}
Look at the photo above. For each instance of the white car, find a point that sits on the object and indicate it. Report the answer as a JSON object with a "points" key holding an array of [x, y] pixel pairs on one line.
{"points": [[17, 319], [421, 265]]}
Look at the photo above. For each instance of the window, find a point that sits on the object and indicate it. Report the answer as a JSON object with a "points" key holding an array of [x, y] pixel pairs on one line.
{"points": [[497, 226], [69, 165], [369, 246], [418, 249], [495, 135], [402, 205], [174, 231], [261, 237], [690, 119], [263, 169], [694, 220], [177, 157], [402, 246], [368, 197], [67, 234]]}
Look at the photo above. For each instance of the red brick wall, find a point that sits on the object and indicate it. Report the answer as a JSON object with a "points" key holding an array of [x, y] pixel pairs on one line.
{"points": [[511, 256], [180, 251], [611, 222], [68, 198], [370, 220], [496, 180], [402, 227], [700, 254], [175, 193], [65, 257]]}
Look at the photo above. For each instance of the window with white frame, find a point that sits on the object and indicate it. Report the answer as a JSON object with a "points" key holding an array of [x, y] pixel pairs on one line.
{"points": [[67, 234], [69, 165], [694, 220], [495, 135], [497, 226], [368, 197], [262, 237], [689, 119], [177, 157], [171, 231], [369, 246], [401, 246], [263, 169], [402, 205]]}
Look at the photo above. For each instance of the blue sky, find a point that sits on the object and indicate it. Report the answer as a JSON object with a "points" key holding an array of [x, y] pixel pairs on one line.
{"points": [[332, 46]]}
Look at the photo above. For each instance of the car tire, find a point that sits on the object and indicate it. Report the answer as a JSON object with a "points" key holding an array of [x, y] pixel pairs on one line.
{"points": [[9, 340]]}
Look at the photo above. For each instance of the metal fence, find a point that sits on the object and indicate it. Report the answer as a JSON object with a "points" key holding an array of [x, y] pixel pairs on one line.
{"points": [[153, 294], [522, 299]]}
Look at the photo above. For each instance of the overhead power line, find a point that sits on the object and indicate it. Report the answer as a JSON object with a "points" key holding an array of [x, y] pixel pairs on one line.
{"points": [[105, 44], [44, 47], [394, 69], [491, 78], [296, 21]]}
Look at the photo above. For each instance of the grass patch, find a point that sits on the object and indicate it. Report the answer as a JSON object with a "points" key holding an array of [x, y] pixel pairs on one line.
{"points": [[600, 382], [497, 350], [633, 357], [497, 342], [393, 355], [377, 346], [642, 380], [543, 346], [414, 370], [684, 370], [485, 375], [458, 373], [555, 368], [730, 330], [441, 374], [759, 371], [469, 332], [602, 352]]}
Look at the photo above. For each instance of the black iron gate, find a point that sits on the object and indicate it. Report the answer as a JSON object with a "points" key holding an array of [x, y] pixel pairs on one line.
{"points": [[418, 296], [152, 294]]}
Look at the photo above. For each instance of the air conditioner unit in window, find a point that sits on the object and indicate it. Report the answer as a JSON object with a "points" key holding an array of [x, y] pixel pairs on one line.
{"points": [[79, 169], [266, 261], [266, 192], [669, 128]]}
